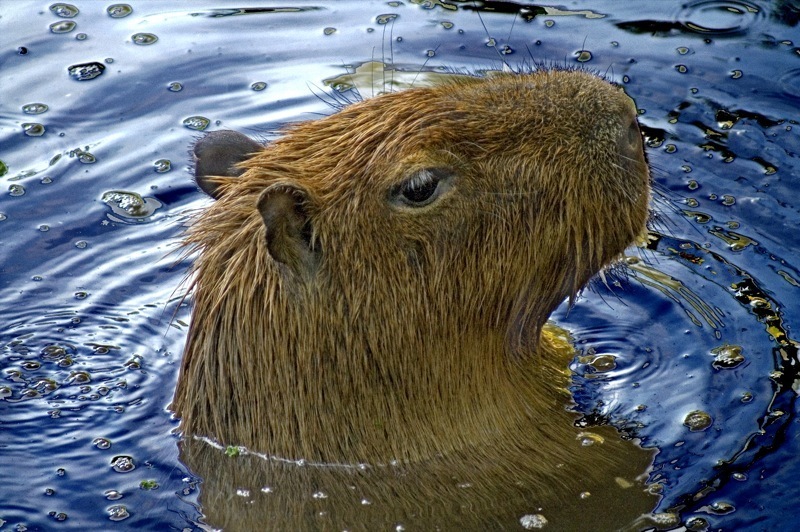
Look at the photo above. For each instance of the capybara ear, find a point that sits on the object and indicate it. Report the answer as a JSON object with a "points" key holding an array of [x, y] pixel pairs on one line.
{"points": [[284, 209], [217, 155]]}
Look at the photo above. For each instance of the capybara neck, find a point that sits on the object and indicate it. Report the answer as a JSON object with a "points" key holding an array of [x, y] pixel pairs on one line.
{"points": [[374, 285]]}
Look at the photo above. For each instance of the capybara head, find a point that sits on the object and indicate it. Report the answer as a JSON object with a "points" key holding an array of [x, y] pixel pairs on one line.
{"points": [[373, 285]]}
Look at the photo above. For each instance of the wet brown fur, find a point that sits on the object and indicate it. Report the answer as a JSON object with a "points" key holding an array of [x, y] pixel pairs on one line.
{"points": [[418, 332]]}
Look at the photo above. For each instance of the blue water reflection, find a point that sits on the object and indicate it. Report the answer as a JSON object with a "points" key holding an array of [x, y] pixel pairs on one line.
{"points": [[92, 318]]}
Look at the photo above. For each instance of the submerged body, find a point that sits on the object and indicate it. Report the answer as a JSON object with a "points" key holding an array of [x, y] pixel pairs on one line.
{"points": [[373, 287]]}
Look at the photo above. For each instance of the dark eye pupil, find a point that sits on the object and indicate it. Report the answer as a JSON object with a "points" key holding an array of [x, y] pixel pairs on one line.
{"points": [[420, 188]]}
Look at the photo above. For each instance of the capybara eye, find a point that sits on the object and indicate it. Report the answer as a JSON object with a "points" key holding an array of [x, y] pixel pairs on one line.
{"points": [[422, 189]]}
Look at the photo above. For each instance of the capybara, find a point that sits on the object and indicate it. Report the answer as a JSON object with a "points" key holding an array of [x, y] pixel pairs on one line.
{"points": [[373, 287]]}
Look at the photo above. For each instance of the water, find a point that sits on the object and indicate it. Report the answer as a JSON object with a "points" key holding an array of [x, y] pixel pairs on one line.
{"points": [[96, 189]]}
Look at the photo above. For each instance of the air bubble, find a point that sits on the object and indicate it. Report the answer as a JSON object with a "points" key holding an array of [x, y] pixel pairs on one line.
{"points": [[118, 512], [64, 26], [385, 19], [16, 190], [53, 352], [130, 204], [86, 158], [198, 123], [603, 363], [329, 31], [258, 86], [122, 464], [721, 507], [727, 356], [696, 524], [119, 10], [64, 10], [697, 420], [33, 129], [143, 39], [46, 385], [175, 87], [86, 71], [101, 443], [34, 108], [162, 165], [79, 377]]}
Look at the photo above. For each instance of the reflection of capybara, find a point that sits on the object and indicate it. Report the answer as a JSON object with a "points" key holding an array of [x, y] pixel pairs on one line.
{"points": [[373, 286]]}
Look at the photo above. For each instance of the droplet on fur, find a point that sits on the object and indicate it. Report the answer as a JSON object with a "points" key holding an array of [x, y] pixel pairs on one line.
{"points": [[589, 438], [533, 521]]}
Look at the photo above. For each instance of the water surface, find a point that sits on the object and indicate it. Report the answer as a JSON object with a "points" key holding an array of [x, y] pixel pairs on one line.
{"points": [[99, 104]]}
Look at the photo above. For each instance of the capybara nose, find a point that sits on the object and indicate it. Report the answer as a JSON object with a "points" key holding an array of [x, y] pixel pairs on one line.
{"points": [[629, 148]]}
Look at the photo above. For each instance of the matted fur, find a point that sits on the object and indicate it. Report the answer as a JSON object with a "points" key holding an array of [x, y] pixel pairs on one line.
{"points": [[419, 332]]}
